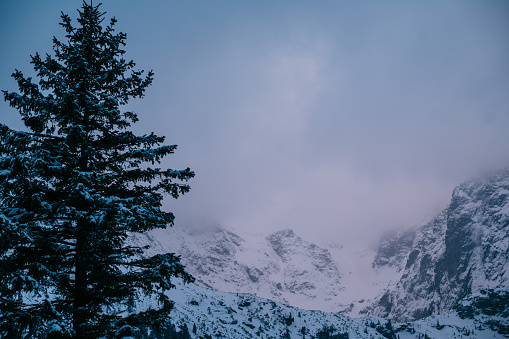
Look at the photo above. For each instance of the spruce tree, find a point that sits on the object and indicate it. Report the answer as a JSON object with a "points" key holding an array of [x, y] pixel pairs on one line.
{"points": [[74, 186]]}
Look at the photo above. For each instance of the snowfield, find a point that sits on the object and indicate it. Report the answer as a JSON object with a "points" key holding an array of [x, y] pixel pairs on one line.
{"points": [[231, 315]]}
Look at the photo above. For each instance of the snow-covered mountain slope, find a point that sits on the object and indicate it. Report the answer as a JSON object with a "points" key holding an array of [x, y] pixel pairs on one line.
{"points": [[361, 281], [415, 274], [230, 315], [463, 250], [281, 266]]}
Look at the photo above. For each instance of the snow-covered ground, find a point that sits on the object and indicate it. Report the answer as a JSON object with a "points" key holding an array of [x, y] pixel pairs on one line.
{"points": [[232, 315], [361, 281]]}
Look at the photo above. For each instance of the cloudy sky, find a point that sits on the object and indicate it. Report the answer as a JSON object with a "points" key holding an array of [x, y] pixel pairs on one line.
{"points": [[336, 118]]}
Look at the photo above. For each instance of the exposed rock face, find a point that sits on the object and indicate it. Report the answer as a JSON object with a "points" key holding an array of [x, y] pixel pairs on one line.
{"points": [[394, 250], [463, 250], [418, 275]]}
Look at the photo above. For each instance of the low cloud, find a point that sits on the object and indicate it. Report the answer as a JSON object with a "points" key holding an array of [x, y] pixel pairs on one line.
{"points": [[340, 120]]}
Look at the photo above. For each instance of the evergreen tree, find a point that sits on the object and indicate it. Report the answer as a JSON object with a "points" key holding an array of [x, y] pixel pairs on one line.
{"points": [[72, 189]]}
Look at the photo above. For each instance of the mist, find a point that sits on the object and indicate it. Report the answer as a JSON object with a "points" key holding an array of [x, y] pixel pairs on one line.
{"points": [[340, 120]]}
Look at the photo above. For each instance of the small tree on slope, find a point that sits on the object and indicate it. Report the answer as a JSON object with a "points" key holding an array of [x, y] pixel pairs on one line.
{"points": [[73, 187]]}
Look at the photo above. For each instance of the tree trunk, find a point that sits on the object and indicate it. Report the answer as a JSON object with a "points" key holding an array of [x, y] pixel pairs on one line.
{"points": [[80, 284]]}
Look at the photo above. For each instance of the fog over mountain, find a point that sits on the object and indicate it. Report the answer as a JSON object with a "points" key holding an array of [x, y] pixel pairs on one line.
{"points": [[336, 119], [447, 278]]}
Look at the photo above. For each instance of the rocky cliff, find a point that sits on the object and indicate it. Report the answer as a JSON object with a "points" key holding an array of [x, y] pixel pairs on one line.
{"points": [[463, 250]]}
